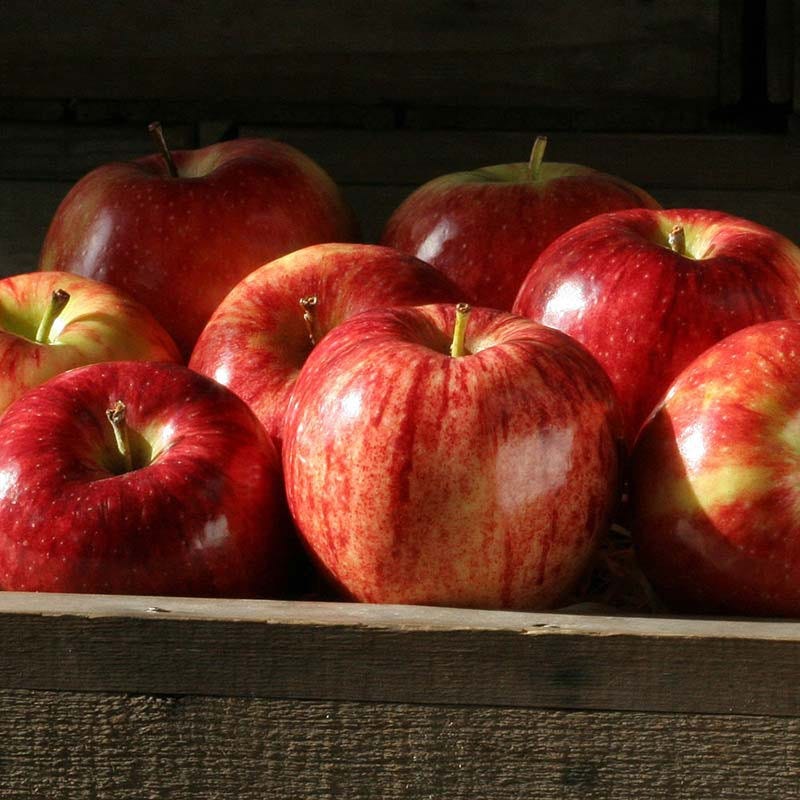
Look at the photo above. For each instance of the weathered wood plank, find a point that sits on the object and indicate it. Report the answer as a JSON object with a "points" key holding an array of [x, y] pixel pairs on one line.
{"points": [[26, 209], [351, 652], [410, 157], [558, 52], [76, 746], [66, 152]]}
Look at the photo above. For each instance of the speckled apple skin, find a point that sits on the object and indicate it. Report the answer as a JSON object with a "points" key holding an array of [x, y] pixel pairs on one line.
{"points": [[99, 323], [256, 341], [479, 481], [205, 518], [486, 227], [716, 493], [179, 245], [646, 312]]}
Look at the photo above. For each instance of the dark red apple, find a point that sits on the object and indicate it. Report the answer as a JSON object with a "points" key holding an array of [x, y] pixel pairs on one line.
{"points": [[52, 322], [139, 478], [648, 291], [179, 243], [479, 473], [261, 334], [716, 492], [484, 228]]}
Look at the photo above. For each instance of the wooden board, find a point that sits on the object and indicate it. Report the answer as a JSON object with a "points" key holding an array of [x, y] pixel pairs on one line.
{"points": [[70, 745], [398, 654], [557, 52]]}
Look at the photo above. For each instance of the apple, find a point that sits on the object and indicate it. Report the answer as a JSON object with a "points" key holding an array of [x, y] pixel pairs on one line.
{"points": [[647, 291], [139, 478], [436, 458], [261, 334], [484, 228], [179, 238], [51, 322], [716, 492]]}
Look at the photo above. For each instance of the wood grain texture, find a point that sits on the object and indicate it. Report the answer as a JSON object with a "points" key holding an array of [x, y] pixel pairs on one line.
{"points": [[351, 50], [26, 208], [74, 746], [350, 652]]}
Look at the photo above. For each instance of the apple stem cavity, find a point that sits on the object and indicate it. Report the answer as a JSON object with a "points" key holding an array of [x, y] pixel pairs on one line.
{"points": [[58, 300], [537, 154], [677, 240], [116, 416], [308, 304], [457, 348], [157, 132]]}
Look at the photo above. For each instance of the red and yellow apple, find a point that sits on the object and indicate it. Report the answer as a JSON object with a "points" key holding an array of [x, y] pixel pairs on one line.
{"points": [[54, 321], [484, 228], [440, 459], [716, 479], [139, 478], [261, 334], [179, 242], [647, 291]]}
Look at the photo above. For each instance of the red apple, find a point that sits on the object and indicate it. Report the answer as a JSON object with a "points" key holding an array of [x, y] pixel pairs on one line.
{"points": [[482, 478], [260, 335], [179, 243], [648, 291], [716, 491], [51, 322], [139, 478], [484, 228]]}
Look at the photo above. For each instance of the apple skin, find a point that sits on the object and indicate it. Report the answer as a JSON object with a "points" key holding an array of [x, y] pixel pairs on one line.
{"points": [[644, 311], [178, 245], [484, 228], [204, 516], [716, 470], [99, 323], [483, 480], [256, 341]]}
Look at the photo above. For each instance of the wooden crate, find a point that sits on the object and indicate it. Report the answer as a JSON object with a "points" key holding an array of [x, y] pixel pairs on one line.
{"points": [[137, 697]]}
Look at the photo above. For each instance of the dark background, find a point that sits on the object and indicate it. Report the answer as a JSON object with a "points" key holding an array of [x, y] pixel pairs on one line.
{"points": [[695, 101]]}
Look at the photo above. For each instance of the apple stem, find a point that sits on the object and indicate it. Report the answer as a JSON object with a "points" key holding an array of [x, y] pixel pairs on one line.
{"points": [[460, 330], [537, 154], [157, 132], [116, 416], [677, 240], [308, 304], [58, 300]]}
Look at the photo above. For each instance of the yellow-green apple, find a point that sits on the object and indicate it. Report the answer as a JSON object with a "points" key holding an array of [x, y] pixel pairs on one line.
{"points": [[440, 459], [716, 479], [179, 242], [53, 321], [261, 334], [647, 291], [484, 228], [139, 478]]}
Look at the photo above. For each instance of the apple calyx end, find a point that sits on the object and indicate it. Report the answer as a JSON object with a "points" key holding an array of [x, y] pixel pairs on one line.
{"points": [[157, 133], [58, 301], [457, 348], [537, 155], [308, 304], [676, 239], [116, 416]]}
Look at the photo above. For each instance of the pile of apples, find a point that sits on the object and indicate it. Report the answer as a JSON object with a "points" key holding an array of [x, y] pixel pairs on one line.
{"points": [[451, 417]]}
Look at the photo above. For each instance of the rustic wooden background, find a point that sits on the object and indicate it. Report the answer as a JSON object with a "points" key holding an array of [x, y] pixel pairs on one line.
{"points": [[696, 100]]}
